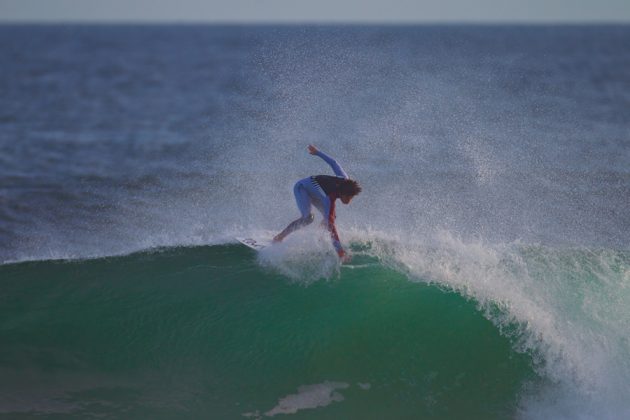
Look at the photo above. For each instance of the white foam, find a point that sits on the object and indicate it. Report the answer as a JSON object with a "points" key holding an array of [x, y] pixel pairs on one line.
{"points": [[309, 397], [304, 256]]}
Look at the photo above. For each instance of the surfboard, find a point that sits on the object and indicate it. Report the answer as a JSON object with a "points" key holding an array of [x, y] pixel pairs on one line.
{"points": [[254, 244]]}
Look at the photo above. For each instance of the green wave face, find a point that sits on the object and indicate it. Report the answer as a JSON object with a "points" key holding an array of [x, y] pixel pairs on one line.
{"points": [[208, 333]]}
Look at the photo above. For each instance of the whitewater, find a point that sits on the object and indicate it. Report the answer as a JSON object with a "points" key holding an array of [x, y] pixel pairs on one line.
{"points": [[491, 260]]}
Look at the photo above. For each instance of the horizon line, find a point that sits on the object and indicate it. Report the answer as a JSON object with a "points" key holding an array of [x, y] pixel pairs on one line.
{"points": [[317, 22]]}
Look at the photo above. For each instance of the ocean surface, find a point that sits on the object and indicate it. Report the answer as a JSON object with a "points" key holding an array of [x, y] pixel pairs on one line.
{"points": [[490, 276]]}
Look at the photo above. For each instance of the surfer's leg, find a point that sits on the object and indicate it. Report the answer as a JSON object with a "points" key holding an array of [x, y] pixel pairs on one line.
{"points": [[320, 206], [303, 201]]}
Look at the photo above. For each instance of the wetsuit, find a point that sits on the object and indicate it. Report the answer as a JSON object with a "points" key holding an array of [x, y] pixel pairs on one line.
{"points": [[320, 191]]}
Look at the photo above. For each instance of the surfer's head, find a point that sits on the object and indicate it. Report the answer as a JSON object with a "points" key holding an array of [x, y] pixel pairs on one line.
{"points": [[348, 189]]}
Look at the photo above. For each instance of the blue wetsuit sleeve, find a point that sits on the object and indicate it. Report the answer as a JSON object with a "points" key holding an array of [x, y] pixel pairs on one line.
{"points": [[337, 169]]}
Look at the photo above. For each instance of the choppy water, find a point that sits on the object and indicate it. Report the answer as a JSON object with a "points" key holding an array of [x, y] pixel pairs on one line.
{"points": [[492, 259]]}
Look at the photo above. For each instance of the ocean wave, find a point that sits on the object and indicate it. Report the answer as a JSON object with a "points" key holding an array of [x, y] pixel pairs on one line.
{"points": [[565, 310]]}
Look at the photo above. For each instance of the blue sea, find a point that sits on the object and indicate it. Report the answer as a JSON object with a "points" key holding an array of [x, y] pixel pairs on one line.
{"points": [[490, 276]]}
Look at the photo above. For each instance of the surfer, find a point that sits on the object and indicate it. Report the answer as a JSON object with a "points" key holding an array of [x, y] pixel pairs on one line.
{"points": [[322, 191]]}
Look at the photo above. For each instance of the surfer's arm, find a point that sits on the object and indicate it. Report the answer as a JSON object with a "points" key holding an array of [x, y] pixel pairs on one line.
{"points": [[335, 240], [330, 225], [337, 169]]}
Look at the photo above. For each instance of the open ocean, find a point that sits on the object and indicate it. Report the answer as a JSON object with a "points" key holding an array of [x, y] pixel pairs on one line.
{"points": [[491, 242]]}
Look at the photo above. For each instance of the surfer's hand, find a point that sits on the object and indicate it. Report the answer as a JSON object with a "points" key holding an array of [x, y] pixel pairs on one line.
{"points": [[345, 258], [312, 149]]}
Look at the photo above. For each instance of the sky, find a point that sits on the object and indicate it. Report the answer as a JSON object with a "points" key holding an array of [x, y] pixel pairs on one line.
{"points": [[388, 11]]}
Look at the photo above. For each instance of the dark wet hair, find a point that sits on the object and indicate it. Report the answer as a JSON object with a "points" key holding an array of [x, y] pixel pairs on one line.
{"points": [[350, 187]]}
